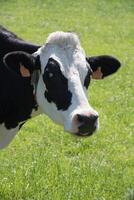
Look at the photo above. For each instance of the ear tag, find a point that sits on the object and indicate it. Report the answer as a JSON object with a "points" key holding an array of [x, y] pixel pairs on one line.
{"points": [[24, 71], [97, 74]]}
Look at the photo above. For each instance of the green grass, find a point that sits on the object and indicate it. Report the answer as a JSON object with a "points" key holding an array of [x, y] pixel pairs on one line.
{"points": [[44, 162]]}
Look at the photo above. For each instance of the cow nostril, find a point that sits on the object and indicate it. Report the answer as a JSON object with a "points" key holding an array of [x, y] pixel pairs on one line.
{"points": [[87, 119], [93, 118], [87, 124], [80, 118]]}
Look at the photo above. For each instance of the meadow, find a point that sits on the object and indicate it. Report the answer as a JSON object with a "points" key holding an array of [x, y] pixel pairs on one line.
{"points": [[46, 163]]}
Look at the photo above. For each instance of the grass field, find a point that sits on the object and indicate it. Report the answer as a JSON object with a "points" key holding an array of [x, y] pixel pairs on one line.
{"points": [[44, 162]]}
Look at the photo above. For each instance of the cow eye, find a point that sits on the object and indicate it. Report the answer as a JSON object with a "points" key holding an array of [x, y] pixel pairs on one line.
{"points": [[49, 75]]}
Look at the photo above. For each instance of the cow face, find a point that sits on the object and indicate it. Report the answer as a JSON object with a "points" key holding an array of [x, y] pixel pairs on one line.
{"points": [[65, 74], [61, 91]]}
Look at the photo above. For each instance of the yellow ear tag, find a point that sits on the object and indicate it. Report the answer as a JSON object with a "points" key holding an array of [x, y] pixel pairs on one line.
{"points": [[97, 74], [24, 71]]}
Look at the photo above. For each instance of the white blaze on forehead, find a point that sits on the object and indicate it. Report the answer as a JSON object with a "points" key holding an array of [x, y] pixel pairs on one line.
{"points": [[63, 39], [65, 48]]}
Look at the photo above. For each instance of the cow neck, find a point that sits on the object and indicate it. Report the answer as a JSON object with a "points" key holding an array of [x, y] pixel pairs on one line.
{"points": [[34, 82]]}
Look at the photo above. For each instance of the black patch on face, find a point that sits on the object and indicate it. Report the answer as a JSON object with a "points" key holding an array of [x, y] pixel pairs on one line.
{"points": [[56, 85], [87, 78]]}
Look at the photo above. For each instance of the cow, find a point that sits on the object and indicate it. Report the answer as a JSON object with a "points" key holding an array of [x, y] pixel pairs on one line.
{"points": [[51, 79]]}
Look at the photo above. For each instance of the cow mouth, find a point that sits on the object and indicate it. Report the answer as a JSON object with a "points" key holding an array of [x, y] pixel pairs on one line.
{"points": [[85, 134]]}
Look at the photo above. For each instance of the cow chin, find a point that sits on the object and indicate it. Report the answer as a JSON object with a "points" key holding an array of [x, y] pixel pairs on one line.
{"points": [[76, 132]]}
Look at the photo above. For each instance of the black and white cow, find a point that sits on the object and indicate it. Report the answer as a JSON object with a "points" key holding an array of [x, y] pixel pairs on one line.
{"points": [[52, 79]]}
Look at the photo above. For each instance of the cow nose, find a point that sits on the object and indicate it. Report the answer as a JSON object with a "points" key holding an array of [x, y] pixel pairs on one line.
{"points": [[87, 124]]}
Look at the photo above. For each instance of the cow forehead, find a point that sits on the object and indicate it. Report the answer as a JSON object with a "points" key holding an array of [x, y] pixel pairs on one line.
{"points": [[71, 67], [68, 58], [60, 41]]}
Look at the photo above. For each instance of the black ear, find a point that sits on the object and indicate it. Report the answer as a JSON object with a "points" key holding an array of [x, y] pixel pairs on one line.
{"points": [[22, 63], [103, 65]]}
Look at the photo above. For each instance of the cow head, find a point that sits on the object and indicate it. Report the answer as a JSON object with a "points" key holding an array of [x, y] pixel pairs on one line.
{"points": [[65, 74]]}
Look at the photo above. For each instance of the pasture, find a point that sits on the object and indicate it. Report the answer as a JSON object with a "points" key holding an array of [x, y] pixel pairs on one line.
{"points": [[46, 163]]}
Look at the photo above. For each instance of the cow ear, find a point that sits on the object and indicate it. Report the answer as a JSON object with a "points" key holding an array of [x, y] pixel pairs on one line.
{"points": [[22, 63], [103, 66]]}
